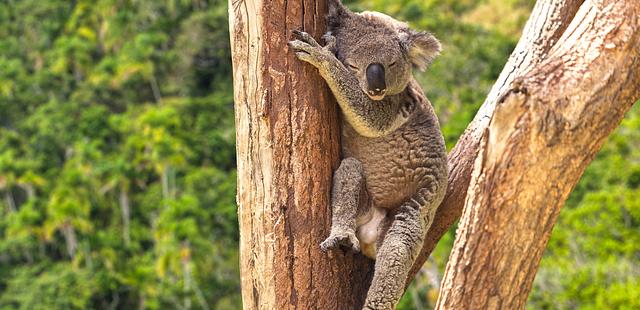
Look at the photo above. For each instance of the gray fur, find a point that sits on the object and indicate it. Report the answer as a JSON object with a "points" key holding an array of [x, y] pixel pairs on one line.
{"points": [[394, 172]]}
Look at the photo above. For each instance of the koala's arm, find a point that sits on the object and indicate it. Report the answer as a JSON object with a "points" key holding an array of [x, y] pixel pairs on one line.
{"points": [[370, 119]]}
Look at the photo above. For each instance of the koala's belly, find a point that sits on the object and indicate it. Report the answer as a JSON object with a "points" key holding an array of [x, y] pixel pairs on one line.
{"points": [[369, 227], [395, 166], [389, 180]]}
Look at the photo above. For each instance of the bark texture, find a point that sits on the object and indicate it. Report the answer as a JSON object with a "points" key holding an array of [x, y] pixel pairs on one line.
{"points": [[545, 130], [287, 148], [566, 86], [547, 22]]}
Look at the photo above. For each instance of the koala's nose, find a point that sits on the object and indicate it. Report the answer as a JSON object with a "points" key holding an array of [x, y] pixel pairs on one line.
{"points": [[376, 84]]}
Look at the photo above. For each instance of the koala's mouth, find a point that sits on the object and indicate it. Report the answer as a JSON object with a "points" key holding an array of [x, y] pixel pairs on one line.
{"points": [[376, 95]]}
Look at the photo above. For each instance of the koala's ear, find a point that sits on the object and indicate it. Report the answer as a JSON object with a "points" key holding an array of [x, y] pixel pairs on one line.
{"points": [[336, 14], [421, 46], [336, 8]]}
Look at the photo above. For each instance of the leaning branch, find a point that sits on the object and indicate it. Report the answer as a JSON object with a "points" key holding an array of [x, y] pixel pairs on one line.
{"points": [[544, 132], [547, 23]]}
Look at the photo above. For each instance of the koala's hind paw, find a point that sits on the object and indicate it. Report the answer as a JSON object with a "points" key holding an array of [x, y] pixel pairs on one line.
{"points": [[344, 238]]}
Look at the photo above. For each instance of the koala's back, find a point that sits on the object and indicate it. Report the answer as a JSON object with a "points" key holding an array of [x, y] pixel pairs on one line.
{"points": [[408, 159]]}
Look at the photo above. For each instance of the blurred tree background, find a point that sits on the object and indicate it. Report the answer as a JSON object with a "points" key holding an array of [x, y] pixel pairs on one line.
{"points": [[117, 166]]}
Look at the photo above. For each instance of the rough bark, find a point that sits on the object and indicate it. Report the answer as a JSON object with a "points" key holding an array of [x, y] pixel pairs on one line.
{"points": [[544, 131], [287, 148], [287, 143], [547, 23]]}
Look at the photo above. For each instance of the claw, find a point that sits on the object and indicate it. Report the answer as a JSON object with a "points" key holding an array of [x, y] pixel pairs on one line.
{"points": [[305, 37], [304, 51], [327, 244], [308, 50]]}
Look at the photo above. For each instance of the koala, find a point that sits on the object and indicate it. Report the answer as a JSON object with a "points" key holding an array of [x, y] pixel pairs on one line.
{"points": [[393, 174]]}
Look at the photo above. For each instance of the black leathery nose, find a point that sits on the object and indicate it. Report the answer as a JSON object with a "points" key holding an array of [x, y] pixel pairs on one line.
{"points": [[375, 77]]}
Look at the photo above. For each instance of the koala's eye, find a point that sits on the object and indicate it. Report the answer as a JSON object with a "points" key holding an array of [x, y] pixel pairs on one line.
{"points": [[352, 67], [392, 64]]}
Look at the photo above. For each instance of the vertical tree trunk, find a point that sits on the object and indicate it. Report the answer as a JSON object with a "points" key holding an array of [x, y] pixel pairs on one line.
{"points": [[543, 133], [8, 199], [287, 148], [70, 238], [125, 212]]}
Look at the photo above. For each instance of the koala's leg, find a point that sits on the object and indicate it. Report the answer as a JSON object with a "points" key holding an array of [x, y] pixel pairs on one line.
{"points": [[345, 200], [399, 249]]}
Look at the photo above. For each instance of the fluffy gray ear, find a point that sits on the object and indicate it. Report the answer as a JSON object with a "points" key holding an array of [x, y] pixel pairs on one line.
{"points": [[421, 46], [337, 12], [336, 7]]}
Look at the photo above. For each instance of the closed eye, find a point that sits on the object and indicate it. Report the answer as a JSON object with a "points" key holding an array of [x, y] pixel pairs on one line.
{"points": [[392, 64], [352, 66]]}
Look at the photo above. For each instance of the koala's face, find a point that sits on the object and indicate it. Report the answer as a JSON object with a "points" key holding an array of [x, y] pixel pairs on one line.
{"points": [[382, 66], [380, 51]]}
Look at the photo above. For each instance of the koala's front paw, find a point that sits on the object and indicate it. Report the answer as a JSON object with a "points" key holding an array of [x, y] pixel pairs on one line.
{"points": [[345, 238], [307, 49]]}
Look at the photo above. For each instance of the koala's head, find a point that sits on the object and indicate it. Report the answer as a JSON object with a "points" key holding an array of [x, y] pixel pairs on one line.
{"points": [[379, 50]]}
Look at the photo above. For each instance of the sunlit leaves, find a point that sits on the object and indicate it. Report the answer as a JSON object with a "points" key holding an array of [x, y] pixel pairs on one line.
{"points": [[116, 114]]}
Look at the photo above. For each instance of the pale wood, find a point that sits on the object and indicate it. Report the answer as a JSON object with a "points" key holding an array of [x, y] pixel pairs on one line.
{"points": [[287, 148], [546, 24], [544, 132]]}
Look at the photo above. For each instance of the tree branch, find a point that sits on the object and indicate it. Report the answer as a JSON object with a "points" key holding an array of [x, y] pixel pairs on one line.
{"points": [[547, 23], [544, 132]]}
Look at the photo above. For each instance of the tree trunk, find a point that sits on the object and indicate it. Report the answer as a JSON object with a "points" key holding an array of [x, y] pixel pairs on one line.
{"points": [[287, 146], [125, 212], [70, 238], [8, 199], [544, 132], [546, 128]]}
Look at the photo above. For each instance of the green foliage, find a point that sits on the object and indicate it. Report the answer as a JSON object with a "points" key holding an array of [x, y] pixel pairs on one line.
{"points": [[48, 286], [117, 167]]}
